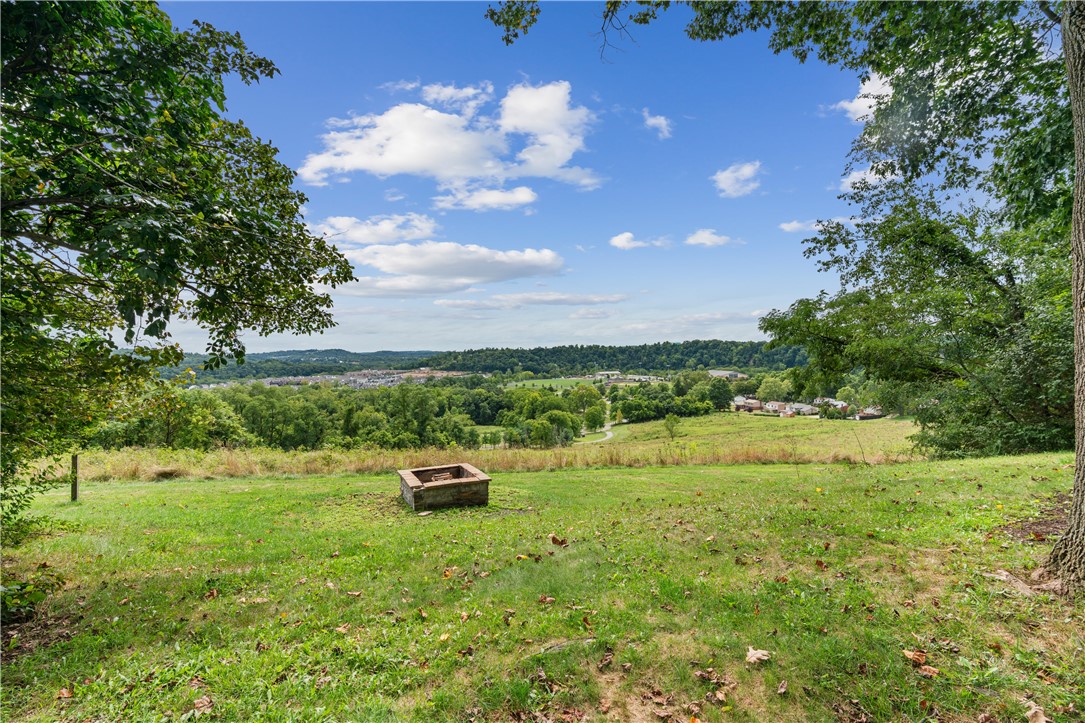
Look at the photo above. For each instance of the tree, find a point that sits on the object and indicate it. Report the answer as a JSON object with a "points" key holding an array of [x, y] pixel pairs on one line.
{"points": [[129, 201], [980, 101], [773, 389], [670, 424]]}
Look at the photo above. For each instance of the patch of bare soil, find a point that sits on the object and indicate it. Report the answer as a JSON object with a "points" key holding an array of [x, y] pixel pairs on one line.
{"points": [[1045, 527]]}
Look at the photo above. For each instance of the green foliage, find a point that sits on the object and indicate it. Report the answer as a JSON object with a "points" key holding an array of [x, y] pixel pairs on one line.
{"points": [[19, 598], [129, 200], [589, 358], [671, 423], [774, 389]]}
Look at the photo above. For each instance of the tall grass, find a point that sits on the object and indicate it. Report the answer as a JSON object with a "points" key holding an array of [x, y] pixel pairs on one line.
{"points": [[152, 464]]}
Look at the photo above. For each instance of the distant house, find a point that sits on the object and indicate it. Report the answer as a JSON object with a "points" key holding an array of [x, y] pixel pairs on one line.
{"points": [[803, 409], [775, 407], [746, 404], [727, 374], [607, 375]]}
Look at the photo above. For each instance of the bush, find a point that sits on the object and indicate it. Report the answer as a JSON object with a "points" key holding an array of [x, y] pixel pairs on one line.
{"points": [[19, 598]]}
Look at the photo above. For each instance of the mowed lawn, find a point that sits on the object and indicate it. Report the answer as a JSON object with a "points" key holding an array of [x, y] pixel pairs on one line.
{"points": [[597, 594]]}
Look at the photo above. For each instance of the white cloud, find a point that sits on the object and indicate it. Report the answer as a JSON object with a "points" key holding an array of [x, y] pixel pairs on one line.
{"points": [[343, 230], [486, 199], [466, 100], [867, 175], [400, 86], [658, 123], [535, 133], [708, 237], [676, 326], [538, 298], [626, 242], [434, 267], [410, 138], [810, 225], [861, 107], [737, 180], [554, 128]]}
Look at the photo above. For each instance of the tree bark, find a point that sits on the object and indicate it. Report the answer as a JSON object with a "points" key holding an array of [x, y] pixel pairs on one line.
{"points": [[1067, 559]]}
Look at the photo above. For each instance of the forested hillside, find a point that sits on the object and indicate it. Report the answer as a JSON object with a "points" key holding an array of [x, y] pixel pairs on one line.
{"points": [[304, 363], [665, 356]]}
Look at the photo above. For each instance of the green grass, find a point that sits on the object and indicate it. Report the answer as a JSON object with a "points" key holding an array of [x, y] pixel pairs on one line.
{"points": [[324, 598], [556, 383]]}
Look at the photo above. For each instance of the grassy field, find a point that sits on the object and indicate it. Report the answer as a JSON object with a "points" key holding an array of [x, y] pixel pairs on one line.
{"points": [[555, 382], [729, 438], [325, 599]]}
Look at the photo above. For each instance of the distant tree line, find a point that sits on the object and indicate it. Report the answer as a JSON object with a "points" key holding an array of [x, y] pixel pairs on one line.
{"points": [[269, 365], [645, 358]]}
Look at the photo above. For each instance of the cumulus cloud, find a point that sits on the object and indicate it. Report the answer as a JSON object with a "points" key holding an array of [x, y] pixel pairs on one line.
{"points": [[867, 175], [535, 133], [871, 91], [627, 242], [434, 267], [708, 237], [737, 180], [348, 230], [538, 298], [660, 124], [486, 199], [555, 131], [466, 100]]}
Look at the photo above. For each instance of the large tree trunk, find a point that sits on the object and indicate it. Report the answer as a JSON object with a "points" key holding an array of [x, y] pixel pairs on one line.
{"points": [[1067, 560]]}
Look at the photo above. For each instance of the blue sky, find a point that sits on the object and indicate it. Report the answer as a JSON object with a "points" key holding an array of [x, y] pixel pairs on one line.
{"points": [[549, 192]]}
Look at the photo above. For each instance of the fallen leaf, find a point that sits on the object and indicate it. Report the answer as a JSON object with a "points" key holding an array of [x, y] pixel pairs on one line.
{"points": [[546, 600], [204, 705], [756, 656], [626, 667], [918, 657], [422, 613], [335, 554], [64, 693], [344, 628], [124, 601], [928, 671], [662, 714], [211, 594], [607, 660], [558, 541], [1035, 714], [425, 514], [821, 565], [444, 637], [463, 617], [357, 593], [782, 689]]}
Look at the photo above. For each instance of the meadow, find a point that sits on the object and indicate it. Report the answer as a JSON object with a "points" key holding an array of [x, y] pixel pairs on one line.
{"points": [[727, 438], [580, 593]]}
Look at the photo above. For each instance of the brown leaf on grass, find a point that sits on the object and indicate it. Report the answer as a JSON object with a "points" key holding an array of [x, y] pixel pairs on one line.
{"points": [[782, 689], [211, 594], [546, 600], [586, 621], [558, 541], [626, 667], [507, 617], [344, 628], [444, 637], [1035, 714], [781, 578], [64, 693], [986, 718], [928, 671], [447, 573], [821, 565], [606, 660], [356, 593], [422, 613], [204, 705], [662, 714], [756, 656], [463, 617], [918, 657]]}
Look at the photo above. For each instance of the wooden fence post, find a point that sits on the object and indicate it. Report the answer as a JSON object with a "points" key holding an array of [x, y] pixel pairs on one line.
{"points": [[75, 478]]}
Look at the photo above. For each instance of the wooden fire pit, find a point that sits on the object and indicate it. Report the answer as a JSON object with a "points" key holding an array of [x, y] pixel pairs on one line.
{"points": [[453, 485]]}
